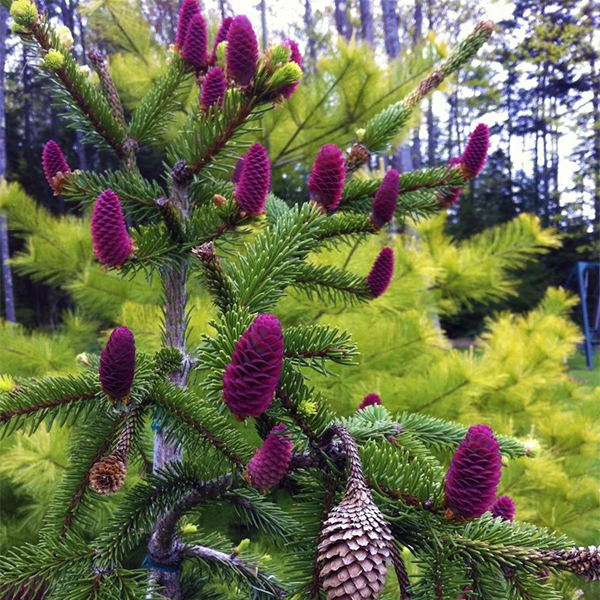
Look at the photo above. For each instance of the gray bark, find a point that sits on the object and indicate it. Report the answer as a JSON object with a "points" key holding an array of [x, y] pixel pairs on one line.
{"points": [[417, 38], [391, 24], [342, 23], [263, 21], [7, 281], [309, 28], [366, 21]]}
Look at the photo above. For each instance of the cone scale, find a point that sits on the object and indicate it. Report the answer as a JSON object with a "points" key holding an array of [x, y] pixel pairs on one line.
{"points": [[112, 244], [327, 177], [270, 463], [255, 180], [117, 364], [242, 50], [55, 165]]}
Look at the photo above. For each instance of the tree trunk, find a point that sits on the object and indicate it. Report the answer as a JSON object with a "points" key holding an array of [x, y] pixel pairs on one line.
{"points": [[342, 23], [366, 21], [391, 25], [309, 29], [7, 281], [416, 41], [263, 22], [431, 134], [595, 76]]}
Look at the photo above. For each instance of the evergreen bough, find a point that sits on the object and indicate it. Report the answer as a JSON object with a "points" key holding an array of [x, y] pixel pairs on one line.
{"points": [[341, 544]]}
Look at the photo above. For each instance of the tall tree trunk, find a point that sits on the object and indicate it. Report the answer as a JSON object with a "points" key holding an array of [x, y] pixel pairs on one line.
{"points": [[391, 25], [366, 21], [510, 80], [263, 22], [416, 41], [7, 282], [595, 77], [342, 23], [309, 28], [545, 169], [431, 134]]}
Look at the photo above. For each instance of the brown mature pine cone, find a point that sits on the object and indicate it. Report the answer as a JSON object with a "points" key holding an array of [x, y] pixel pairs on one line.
{"points": [[356, 544], [108, 475]]}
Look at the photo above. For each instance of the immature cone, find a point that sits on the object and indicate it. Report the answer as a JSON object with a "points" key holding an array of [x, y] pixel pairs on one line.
{"points": [[380, 276], [188, 9], [117, 364], [358, 156], [268, 466], [237, 170], [504, 507], [54, 164], [195, 45], [355, 545], [213, 88], [386, 198], [108, 475], [582, 561], [327, 177], [473, 158], [295, 56], [252, 375], [255, 180], [369, 400], [112, 244], [474, 473], [242, 50], [221, 34], [451, 196]]}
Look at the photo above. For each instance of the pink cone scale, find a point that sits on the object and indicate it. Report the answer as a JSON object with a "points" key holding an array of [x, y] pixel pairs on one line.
{"points": [[195, 45], [295, 56], [251, 377], [473, 158], [504, 507], [270, 463], [213, 88], [188, 9], [117, 364], [327, 177], [112, 244], [370, 400], [54, 163], [221, 34], [380, 276], [242, 50], [255, 181], [386, 198], [237, 170], [474, 472]]}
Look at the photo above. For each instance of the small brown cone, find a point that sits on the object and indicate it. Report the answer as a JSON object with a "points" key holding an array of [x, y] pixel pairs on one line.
{"points": [[355, 546], [108, 475]]}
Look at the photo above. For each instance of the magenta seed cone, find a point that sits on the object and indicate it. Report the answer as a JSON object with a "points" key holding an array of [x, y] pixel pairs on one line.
{"points": [[242, 50], [112, 244], [386, 198], [369, 400], [213, 88], [117, 364], [189, 8], [53, 162], [255, 180], [268, 466], [473, 158], [504, 507], [237, 170], [295, 56], [196, 42], [221, 34], [380, 276], [327, 177], [252, 375], [474, 473]]}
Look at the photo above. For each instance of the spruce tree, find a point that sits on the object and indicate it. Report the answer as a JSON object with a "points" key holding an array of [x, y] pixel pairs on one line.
{"points": [[364, 489]]}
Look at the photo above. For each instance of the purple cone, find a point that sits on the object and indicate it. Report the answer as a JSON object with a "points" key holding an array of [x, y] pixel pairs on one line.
{"points": [[473, 158], [242, 50], [252, 375], [386, 198], [213, 88], [380, 276], [195, 46], [221, 34], [474, 473], [295, 56], [369, 400], [237, 170], [117, 364], [188, 9], [255, 180], [504, 507], [53, 163], [270, 463], [327, 177], [112, 244]]}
